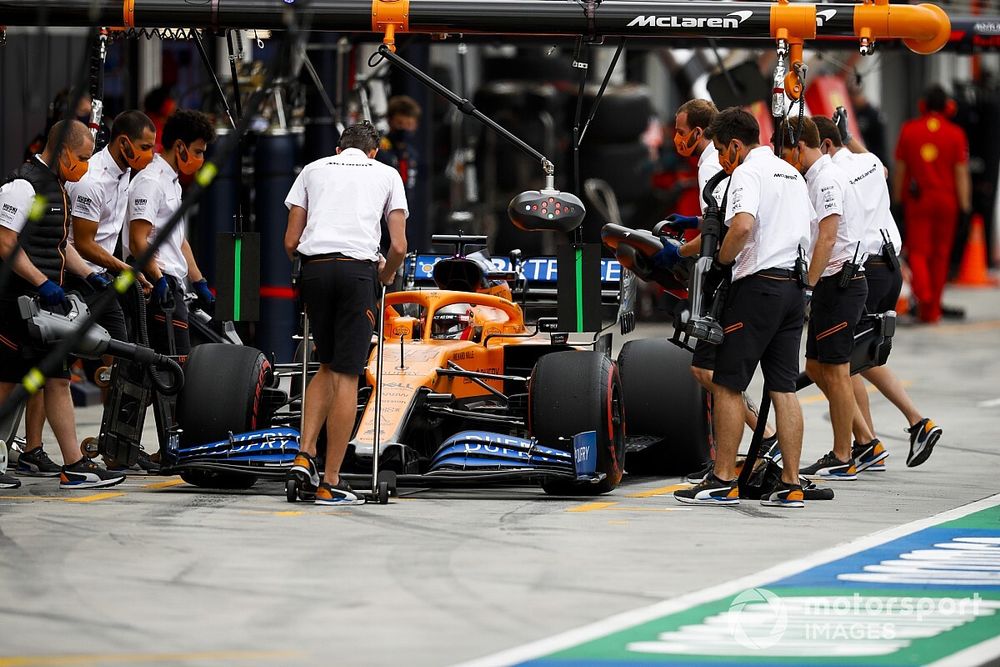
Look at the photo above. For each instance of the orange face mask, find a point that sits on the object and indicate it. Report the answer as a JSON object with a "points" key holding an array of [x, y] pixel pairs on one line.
{"points": [[72, 169], [134, 157], [730, 159], [685, 143], [186, 162]]}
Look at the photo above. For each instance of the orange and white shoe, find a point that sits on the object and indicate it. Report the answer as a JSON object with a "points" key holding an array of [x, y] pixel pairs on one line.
{"points": [[869, 457], [923, 436]]}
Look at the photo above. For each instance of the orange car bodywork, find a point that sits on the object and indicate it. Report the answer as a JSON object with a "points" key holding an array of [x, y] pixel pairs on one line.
{"points": [[413, 364]]}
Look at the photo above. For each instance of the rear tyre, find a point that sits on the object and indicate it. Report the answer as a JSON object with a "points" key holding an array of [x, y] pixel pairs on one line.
{"points": [[663, 400], [572, 392], [223, 385], [211, 479]]}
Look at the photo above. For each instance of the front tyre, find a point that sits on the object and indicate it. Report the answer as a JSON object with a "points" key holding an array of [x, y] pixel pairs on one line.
{"points": [[572, 392]]}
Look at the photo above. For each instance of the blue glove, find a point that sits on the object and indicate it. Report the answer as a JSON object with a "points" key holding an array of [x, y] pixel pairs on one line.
{"points": [[683, 221], [160, 290], [51, 294], [201, 289], [670, 255], [99, 281]]}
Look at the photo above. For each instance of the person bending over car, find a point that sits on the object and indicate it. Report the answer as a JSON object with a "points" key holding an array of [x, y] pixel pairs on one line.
{"points": [[335, 211], [769, 215]]}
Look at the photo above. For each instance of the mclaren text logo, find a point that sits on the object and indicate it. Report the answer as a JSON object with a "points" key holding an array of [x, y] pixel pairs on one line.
{"points": [[730, 21]]}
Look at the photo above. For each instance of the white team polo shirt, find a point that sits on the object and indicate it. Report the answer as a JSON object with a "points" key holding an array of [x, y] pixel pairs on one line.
{"points": [[773, 192], [708, 166], [832, 195], [345, 197], [16, 199], [102, 197], [153, 196], [866, 174]]}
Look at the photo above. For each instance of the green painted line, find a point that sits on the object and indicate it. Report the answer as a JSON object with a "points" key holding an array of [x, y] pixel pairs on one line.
{"points": [[579, 289], [237, 272]]}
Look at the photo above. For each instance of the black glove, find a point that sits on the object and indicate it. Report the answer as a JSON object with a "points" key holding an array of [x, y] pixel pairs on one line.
{"points": [[51, 294], [99, 281], [840, 118]]}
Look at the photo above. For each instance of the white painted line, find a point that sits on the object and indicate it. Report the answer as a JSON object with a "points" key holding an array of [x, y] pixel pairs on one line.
{"points": [[990, 404], [628, 619]]}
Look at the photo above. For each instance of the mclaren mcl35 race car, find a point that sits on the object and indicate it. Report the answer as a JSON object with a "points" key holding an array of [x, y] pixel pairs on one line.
{"points": [[472, 393]]}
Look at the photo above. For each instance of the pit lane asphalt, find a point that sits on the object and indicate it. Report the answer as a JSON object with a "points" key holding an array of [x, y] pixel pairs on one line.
{"points": [[158, 572]]}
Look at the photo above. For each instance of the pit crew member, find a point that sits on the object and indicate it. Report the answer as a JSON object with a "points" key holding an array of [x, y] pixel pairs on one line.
{"points": [[38, 268], [769, 216], [837, 281], [335, 211], [690, 122], [153, 197], [882, 242]]}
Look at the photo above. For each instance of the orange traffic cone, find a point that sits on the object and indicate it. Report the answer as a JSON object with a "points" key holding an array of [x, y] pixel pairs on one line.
{"points": [[974, 271]]}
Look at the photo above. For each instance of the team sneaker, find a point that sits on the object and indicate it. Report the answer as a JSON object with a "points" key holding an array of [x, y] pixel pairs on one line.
{"points": [[923, 436], [711, 491], [9, 481], [771, 450], [36, 463], [784, 495], [830, 467], [304, 468], [869, 457], [339, 494], [699, 477], [85, 474]]}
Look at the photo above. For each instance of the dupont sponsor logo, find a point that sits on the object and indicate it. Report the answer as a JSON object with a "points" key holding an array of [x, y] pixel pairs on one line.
{"points": [[730, 21]]}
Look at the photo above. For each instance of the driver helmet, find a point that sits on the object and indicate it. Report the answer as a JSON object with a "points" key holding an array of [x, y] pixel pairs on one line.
{"points": [[453, 322]]}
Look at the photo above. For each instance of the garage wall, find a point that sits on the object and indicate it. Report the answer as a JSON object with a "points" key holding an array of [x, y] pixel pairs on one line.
{"points": [[33, 68]]}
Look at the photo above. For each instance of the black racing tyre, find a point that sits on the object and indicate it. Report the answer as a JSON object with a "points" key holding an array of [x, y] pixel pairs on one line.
{"points": [[212, 479], [622, 116], [223, 385], [575, 391], [291, 490], [662, 399], [622, 166]]}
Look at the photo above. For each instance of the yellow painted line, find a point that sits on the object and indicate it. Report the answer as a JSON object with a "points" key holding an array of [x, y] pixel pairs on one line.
{"points": [[134, 658], [591, 507], [273, 513], [662, 491], [93, 498], [32, 498], [164, 485], [617, 522], [651, 509]]}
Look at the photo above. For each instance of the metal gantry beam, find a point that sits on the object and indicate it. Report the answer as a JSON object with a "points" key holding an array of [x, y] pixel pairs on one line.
{"points": [[924, 28]]}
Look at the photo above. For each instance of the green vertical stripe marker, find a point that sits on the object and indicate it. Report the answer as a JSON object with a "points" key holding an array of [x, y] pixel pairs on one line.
{"points": [[237, 271], [579, 288]]}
